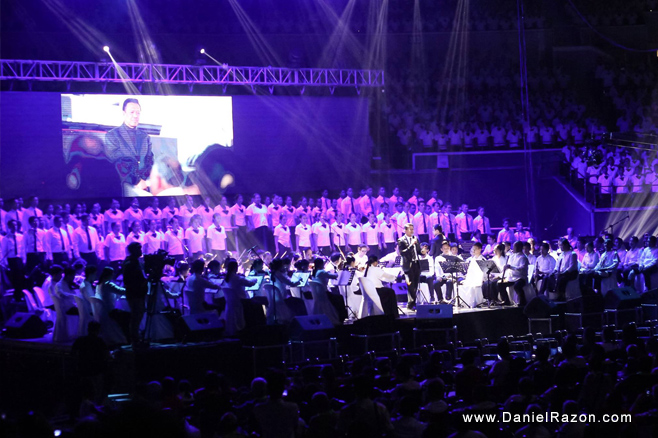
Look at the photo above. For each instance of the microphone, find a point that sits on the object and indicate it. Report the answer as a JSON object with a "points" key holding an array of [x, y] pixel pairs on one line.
{"points": [[252, 248]]}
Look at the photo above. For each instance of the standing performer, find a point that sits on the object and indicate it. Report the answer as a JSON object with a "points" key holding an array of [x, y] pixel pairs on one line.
{"points": [[410, 252]]}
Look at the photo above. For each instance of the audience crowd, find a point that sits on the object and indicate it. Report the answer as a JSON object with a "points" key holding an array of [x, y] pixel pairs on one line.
{"points": [[597, 384], [613, 170]]}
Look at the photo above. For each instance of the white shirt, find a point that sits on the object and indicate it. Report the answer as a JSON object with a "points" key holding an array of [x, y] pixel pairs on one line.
{"points": [[377, 275], [152, 242], [238, 212], [194, 237], [632, 257], [518, 267], [338, 230], [9, 249], [151, 214], [186, 213], [132, 237], [282, 234], [113, 218], [608, 261], [168, 212], [590, 260], [367, 205], [116, 246], [174, 241], [388, 232], [649, 257], [349, 206], [275, 213], [565, 262], [545, 264], [29, 239], [421, 223], [27, 214], [498, 135], [303, 232], [404, 218], [206, 215], [54, 242], [321, 232], [82, 243], [353, 234], [132, 215], [217, 237], [464, 222], [258, 215], [372, 233], [482, 224], [224, 216]]}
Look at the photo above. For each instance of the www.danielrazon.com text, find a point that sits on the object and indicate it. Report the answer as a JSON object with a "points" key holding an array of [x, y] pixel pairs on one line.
{"points": [[548, 417]]}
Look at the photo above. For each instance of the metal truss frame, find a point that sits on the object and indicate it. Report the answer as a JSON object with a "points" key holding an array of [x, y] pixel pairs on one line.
{"points": [[109, 72]]}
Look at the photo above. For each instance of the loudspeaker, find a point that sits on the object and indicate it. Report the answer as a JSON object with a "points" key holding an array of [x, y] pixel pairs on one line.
{"points": [[297, 306], [311, 328], [650, 297], [585, 304], [433, 311], [202, 326], [25, 326], [338, 302], [401, 292], [622, 298], [375, 325], [539, 307]]}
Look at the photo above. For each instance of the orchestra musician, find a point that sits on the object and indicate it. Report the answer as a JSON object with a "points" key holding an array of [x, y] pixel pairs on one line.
{"points": [[493, 291], [410, 252], [516, 274], [441, 278], [234, 293], [544, 267], [386, 295]]}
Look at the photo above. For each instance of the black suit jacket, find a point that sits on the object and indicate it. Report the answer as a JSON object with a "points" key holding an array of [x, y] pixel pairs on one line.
{"points": [[407, 253], [435, 247], [133, 160], [134, 279]]}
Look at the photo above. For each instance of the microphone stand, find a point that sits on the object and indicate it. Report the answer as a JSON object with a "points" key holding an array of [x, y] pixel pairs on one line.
{"points": [[611, 227]]}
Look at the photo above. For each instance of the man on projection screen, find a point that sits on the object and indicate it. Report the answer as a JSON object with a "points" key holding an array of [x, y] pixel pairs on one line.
{"points": [[129, 149]]}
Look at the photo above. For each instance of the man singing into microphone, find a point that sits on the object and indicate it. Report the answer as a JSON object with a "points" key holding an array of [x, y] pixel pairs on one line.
{"points": [[410, 252]]}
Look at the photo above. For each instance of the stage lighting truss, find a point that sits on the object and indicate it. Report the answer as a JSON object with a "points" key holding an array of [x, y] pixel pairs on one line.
{"points": [[108, 72]]}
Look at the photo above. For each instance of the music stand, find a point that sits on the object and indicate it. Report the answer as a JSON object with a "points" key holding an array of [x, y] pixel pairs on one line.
{"points": [[454, 265], [345, 279], [301, 277], [488, 267]]}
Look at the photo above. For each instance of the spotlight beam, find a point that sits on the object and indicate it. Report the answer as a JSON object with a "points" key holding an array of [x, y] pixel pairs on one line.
{"points": [[221, 64]]}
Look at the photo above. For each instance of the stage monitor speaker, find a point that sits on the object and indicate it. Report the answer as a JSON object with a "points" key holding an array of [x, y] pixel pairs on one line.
{"points": [[311, 328], [539, 307], [650, 297], [433, 311], [585, 304], [375, 325], [199, 327], [401, 292], [338, 302], [25, 326], [621, 298], [297, 306]]}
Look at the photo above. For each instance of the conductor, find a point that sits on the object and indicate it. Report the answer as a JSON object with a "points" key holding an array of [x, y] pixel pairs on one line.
{"points": [[410, 252]]}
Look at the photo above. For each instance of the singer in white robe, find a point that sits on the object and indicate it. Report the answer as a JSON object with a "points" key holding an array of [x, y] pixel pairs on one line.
{"points": [[471, 289]]}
